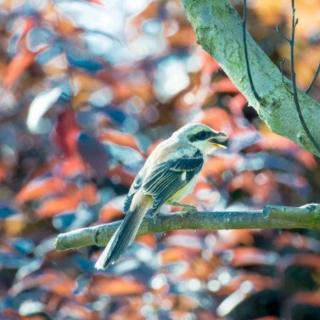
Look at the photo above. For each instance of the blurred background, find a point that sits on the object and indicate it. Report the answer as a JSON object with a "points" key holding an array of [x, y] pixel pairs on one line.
{"points": [[87, 89]]}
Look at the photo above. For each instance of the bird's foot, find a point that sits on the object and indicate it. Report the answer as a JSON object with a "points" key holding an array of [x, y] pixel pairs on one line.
{"points": [[153, 215], [186, 208]]}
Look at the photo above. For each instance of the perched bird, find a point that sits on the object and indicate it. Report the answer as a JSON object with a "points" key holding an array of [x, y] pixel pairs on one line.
{"points": [[169, 173]]}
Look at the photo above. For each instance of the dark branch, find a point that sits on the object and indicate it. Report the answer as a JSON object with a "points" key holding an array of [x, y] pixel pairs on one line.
{"points": [[246, 55], [314, 79], [294, 23]]}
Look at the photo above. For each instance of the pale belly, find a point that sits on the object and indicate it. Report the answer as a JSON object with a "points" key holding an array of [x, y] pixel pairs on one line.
{"points": [[183, 191]]}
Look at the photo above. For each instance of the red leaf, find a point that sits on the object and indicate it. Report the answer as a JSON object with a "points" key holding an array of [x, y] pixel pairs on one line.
{"points": [[232, 238], [148, 239], [209, 64], [119, 174], [217, 119], [237, 103], [109, 213], [173, 254], [307, 159], [311, 298], [17, 66], [104, 285], [309, 260], [120, 138], [69, 201], [39, 188], [52, 281], [65, 132], [3, 172], [215, 166], [71, 166], [248, 256], [259, 282], [224, 85], [288, 239]]}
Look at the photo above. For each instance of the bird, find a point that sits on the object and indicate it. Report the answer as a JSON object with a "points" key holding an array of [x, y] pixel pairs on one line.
{"points": [[169, 173]]}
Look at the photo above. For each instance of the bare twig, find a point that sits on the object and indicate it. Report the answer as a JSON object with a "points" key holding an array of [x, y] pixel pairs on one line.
{"points": [[284, 37], [246, 54], [294, 23], [284, 80], [314, 79], [270, 217]]}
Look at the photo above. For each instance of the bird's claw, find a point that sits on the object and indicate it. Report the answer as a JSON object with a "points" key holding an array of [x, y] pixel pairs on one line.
{"points": [[186, 208], [153, 215]]}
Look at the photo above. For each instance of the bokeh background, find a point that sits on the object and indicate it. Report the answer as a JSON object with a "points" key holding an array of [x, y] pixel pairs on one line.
{"points": [[87, 89]]}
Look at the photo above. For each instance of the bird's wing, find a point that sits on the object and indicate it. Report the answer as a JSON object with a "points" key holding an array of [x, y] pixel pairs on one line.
{"points": [[168, 177], [136, 184]]}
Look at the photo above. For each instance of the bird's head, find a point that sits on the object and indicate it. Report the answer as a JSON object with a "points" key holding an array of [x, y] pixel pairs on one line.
{"points": [[202, 137]]}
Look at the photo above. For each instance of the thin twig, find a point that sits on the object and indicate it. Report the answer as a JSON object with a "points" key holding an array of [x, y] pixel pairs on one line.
{"points": [[284, 82], [314, 79], [246, 55], [284, 37], [270, 217], [293, 78]]}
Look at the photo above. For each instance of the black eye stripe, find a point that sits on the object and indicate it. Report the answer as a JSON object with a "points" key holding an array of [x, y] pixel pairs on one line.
{"points": [[200, 136]]}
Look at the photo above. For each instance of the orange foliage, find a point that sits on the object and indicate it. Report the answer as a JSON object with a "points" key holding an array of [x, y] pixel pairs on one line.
{"points": [[105, 285], [189, 274], [246, 256], [109, 213], [53, 281], [182, 37], [216, 118], [120, 138], [3, 172], [70, 166], [312, 298], [259, 282], [18, 66], [37, 189], [148, 239], [69, 201], [118, 173], [172, 254]]}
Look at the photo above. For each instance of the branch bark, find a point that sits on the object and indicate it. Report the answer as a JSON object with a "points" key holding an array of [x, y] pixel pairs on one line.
{"points": [[270, 217], [218, 27]]}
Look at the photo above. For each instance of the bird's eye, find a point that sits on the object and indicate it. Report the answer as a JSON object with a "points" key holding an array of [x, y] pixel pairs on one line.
{"points": [[200, 136], [203, 135]]}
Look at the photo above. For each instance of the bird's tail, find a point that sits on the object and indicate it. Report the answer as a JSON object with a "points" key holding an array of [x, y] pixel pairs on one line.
{"points": [[124, 235]]}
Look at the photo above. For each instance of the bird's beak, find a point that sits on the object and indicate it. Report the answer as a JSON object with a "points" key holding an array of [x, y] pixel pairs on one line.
{"points": [[220, 140]]}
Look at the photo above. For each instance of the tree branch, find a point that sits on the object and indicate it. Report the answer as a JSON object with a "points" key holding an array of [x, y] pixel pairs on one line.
{"points": [[219, 31], [270, 217]]}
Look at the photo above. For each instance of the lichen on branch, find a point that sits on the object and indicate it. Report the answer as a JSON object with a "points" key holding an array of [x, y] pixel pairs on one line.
{"points": [[218, 27]]}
